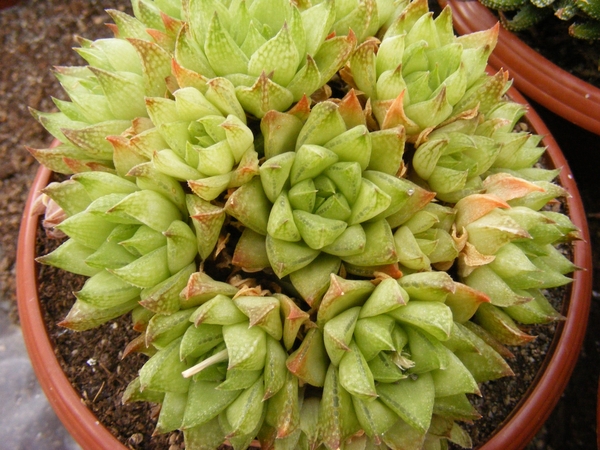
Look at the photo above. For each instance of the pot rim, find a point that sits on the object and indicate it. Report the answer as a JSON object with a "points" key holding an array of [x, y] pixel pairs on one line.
{"points": [[534, 75], [521, 425]]}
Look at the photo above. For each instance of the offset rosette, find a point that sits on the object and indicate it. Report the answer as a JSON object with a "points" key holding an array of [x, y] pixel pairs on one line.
{"points": [[219, 366], [271, 51], [427, 240], [200, 138], [510, 252], [454, 159], [400, 362], [420, 75], [330, 199], [105, 97], [209, 145], [133, 243]]}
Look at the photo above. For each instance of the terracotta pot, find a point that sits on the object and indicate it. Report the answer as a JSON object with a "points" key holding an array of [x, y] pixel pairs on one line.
{"points": [[535, 76], [519, 428]]}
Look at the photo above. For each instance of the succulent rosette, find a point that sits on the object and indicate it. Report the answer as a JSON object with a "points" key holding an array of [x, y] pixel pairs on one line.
{"points": [[420, 75], [334, 198], [108, 95], [510, 252], [131, 242], [271, 51], [218, 366], [400, 364], [454, 159], [323, 218]]}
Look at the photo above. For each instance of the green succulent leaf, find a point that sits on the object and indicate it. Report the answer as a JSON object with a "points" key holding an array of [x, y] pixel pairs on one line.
{"points": [[338, 332], [205, 402], [355, 375], [163, 371], [337, 419], [247, 346], [309, 362], [411, 399]]}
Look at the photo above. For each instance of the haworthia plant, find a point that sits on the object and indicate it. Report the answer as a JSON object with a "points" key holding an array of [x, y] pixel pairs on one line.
{"points": [[318, 214]]}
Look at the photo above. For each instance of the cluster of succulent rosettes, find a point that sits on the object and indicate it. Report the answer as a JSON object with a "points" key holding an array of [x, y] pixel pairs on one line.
{"points": [[433, 84], [212, 133], [385, 362], [518, 15], [135, 245], [274, 52], [182, 44]]}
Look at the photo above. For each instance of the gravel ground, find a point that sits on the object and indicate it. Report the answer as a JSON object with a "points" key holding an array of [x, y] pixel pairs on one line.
{"points": [[35, 35]]}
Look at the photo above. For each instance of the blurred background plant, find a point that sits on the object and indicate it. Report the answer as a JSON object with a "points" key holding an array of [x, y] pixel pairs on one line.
{"points": [[517, 15]]}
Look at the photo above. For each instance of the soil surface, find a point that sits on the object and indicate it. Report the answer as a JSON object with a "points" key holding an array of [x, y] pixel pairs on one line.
{"points": [[35, 36]]}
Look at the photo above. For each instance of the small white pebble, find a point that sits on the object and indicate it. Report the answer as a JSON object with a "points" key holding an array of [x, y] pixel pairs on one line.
{"points": [[136, 438]]}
